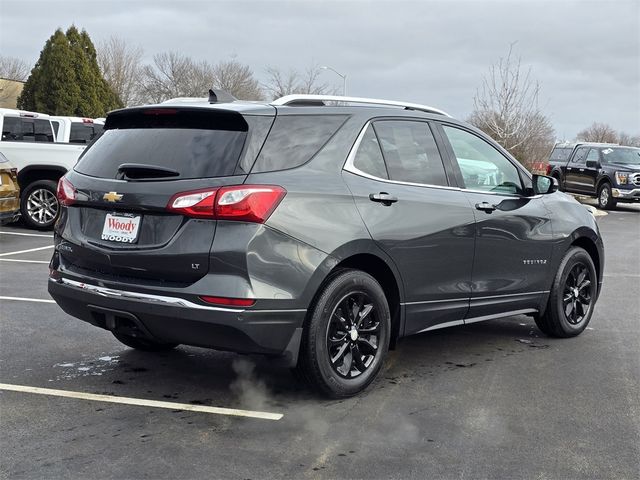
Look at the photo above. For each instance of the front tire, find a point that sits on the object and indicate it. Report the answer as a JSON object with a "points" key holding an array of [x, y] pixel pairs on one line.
{"points": [[39, 205], [143, 344], [606, 201], [347, 335], [573, 296]]}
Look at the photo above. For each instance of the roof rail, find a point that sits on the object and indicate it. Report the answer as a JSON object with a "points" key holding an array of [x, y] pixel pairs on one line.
{"points": [[306, 100]]}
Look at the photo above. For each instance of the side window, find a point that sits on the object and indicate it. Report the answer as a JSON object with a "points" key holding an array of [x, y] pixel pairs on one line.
{"points": [[42, 131], [594, 155], [410, 152], [294, 139], [483, 167], [11, 129], [580, 156], [56, 126], [369, 158]]}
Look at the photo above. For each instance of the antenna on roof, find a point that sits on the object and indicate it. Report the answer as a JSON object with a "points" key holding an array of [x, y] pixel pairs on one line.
{"points": [[220, 96]]}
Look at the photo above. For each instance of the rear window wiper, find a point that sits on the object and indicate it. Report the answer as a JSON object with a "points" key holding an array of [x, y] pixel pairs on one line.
{"points": [[141, 171]]}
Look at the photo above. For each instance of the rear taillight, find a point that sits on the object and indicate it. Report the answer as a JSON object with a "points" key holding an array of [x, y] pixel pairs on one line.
{"points": [[248, 203], [230, 302], [198, 203], [549, 168], [67, 193], [245, 203]]}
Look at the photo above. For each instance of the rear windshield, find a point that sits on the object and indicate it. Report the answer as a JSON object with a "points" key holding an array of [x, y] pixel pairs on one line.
{"points": [[195, 145], [561, 153], [84, 132]]}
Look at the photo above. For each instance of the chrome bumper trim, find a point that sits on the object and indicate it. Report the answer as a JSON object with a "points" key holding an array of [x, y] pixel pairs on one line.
{"points": [[159, 299], [620, 193]]}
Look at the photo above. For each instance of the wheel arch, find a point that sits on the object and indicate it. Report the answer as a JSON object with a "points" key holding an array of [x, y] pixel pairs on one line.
{"points": [[366, 256], [33, 173], [603, 179], [591, 248]]}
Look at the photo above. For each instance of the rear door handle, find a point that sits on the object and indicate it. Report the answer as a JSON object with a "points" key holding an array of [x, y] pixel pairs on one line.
{"points": [[383, 197], [568, 168], [485, 207]]}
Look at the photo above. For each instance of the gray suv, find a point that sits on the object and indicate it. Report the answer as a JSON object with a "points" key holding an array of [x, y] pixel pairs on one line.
{"points": [[317, 229]]}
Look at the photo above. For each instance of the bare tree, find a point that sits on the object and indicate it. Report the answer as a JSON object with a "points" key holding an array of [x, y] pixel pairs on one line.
{"points": [[281, 83], [121, 67], [12, 68], [598, 132], [174, 75], [506, 107], [237, 79], [629, 140]]}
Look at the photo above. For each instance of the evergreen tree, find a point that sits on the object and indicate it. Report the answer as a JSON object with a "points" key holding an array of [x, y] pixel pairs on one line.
{"points": [[66, 79]]}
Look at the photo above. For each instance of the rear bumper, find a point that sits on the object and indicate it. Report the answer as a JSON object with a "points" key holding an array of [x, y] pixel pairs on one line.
{"points": [[173, 319], [8, 216]]}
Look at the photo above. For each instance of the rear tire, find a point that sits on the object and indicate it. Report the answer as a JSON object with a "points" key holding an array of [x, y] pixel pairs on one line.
{"points": [[606, 201], [572, 298], [39, 205], [347, 335], [144, 344]]}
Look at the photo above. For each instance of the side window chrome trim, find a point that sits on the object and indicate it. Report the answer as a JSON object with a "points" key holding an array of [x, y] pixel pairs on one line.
{"points": [[351, 168]]}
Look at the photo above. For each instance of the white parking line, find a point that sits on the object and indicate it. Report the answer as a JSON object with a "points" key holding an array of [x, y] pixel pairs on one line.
{"points": [[26, 251], [26, 234], [141, 402], [23, 299], [24, 261]]}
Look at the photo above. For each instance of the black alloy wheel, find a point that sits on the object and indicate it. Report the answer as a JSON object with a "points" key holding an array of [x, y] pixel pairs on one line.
{"points": [[577, 294], [572, 297], [346, 335], [353, 333]]}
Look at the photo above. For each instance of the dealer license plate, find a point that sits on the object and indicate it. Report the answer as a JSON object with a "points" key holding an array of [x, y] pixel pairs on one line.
{"points": [[121, 228]]}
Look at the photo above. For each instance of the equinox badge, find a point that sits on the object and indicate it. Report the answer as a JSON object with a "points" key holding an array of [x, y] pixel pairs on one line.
{"points": [[112, 197]]}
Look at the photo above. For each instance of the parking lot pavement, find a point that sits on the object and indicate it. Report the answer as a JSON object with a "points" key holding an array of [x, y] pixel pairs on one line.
{"points": [[495, 399]]}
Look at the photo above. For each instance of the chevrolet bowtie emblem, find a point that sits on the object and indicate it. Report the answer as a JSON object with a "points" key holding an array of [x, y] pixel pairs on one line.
{"points": [[112, 197]]}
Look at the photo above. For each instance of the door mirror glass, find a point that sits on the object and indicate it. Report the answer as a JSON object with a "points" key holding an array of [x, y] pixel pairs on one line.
{"points": [[542, 184], [592, 164]]}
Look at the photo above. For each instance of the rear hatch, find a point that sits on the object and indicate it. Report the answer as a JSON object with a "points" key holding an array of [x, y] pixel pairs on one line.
{"points": [[120, 223]]}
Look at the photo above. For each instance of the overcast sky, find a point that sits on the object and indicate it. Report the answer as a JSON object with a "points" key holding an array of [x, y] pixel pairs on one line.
{"points": [[586, 54]]}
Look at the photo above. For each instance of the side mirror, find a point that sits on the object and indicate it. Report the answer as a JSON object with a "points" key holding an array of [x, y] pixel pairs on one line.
{"points": [[543, 184], [592, 164]]}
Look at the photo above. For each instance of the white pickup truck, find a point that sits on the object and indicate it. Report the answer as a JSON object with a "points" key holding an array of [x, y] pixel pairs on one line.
{"points": [[28, 141]]}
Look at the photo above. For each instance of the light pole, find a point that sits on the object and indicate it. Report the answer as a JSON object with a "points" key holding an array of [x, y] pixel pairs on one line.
{"points": [[344, 78]]}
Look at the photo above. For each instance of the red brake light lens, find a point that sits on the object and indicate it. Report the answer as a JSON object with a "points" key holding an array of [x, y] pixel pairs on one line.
{"points": [[67, 193], [197, 203], [248, 203], [231, 302], [245, 203]]}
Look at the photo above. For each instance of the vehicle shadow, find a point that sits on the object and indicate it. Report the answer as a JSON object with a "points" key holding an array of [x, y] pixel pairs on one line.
{"points": [[208, 377]]}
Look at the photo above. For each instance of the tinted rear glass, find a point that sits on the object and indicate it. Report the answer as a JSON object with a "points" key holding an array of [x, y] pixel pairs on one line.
{"points": [[294, 139], [84, 132], [196, 143], [192, 153], [561, 153]]}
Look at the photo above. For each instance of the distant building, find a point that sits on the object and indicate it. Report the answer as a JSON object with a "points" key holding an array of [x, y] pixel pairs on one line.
{"points": [[10, 90]]}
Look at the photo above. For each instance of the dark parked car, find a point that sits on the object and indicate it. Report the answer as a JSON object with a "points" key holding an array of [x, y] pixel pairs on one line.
{"points": [[609, 172], [317, 233]]}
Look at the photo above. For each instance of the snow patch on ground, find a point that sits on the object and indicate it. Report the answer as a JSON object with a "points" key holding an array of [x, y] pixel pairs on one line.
{"points": [[92, 367]]}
